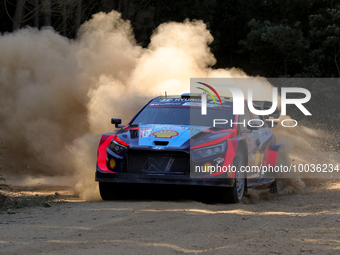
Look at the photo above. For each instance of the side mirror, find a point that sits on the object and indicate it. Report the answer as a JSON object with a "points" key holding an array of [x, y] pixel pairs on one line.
{"points": [[252, 127], [116, 122]]}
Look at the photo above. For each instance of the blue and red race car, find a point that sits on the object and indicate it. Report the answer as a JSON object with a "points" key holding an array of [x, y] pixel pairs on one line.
{"points": [[170, 142]]}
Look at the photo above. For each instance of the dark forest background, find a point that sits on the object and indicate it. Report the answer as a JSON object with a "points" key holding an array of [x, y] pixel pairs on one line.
{"points": [[270, 38]]}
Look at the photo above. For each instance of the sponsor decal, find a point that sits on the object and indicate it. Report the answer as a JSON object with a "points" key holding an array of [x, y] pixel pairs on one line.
{"points": [[229, 170], [145, 132], [112, 163], [219, 160], [158, 148], [165, 134], [206, 167]]}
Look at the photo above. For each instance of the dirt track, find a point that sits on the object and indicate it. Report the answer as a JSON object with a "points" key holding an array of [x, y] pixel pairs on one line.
{"points": [[303, 223]]}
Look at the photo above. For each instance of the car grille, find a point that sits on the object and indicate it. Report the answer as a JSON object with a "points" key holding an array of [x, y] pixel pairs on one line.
{"points": [[157, 162]]}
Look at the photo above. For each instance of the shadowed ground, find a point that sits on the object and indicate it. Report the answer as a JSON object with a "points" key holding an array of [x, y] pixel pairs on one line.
{"points": [[302, 223]]}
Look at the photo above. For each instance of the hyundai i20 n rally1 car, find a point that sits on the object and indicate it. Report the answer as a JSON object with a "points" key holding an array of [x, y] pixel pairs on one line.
{"points": [[169, 142]]}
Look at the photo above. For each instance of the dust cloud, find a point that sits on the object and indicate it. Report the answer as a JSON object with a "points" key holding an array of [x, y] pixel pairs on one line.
{"points": [[308, 145], [57, 95]]}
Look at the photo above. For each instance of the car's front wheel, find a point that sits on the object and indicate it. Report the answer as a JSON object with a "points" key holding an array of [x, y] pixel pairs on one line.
{"points": [[235, 194], [107, 190]]}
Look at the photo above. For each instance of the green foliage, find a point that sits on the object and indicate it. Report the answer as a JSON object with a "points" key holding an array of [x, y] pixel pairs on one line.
{"points": [[278, 48], [324, 35], [271, 38], [305, 45]]}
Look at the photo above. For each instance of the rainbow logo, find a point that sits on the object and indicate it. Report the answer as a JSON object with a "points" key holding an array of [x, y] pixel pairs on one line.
{"points": [[207, 91]]}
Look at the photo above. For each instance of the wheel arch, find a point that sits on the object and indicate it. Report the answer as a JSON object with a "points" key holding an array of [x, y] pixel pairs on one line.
{"points": [[242, 152]]}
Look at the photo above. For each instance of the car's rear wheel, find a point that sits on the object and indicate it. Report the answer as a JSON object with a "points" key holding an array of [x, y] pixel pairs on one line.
{"points": [[282, 160], [107, 190], [235, 194], [277, 186]]}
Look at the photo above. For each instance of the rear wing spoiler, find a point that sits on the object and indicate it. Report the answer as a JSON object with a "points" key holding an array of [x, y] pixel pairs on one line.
{"points": [[265, 105]]}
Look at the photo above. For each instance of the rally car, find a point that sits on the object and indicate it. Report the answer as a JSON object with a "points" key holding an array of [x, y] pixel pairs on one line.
{"points": [[170, 142]]}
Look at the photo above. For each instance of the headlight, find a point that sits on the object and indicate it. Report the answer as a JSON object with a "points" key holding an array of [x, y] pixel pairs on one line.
{"points": [[211, 150], [116, 147]]}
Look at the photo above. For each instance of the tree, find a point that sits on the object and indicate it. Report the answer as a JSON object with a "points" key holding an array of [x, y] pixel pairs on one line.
{"points": [[18, 14], [36, 14], [279, 49], [78, 17], [47, 12], [324, 36], [301, 40]]}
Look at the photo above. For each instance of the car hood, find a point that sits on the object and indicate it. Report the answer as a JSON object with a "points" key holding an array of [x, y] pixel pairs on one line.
{"points": [[171, 135]]}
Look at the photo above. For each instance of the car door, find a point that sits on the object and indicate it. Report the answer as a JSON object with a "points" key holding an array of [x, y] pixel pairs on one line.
{"points": [[254, 141]]}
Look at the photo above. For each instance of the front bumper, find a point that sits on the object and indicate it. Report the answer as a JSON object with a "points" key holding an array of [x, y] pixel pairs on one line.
{"points": [[162, 179]]}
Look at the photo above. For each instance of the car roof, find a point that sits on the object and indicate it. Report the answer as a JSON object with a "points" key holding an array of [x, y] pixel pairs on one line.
{"points": [[194, 96]]}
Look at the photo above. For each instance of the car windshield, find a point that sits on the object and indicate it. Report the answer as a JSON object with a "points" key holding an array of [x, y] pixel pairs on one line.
{"points": [[182, 116]]}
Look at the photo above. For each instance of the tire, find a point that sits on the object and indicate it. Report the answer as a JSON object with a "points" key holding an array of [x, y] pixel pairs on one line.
{"points": [[276, 187], [282, 159], [235, 194], [107, 190]]}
